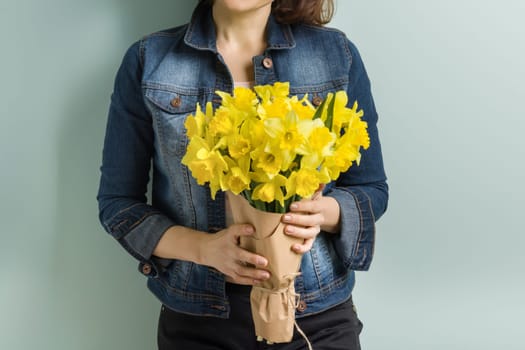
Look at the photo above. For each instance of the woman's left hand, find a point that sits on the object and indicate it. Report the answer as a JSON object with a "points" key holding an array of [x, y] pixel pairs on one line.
{"points": [[308, 217]]}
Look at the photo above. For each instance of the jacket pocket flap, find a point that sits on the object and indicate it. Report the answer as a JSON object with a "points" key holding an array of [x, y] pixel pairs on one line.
{"points": [[172, 102]]}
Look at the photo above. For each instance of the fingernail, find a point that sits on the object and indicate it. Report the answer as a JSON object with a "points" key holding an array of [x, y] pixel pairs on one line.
{"points": [[261, 262], [249, 229], [294, 206], [287, 218], [265, 275], [289, 229]]}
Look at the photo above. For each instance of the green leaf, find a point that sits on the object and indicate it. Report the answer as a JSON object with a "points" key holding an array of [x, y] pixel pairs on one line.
{"points": [[260, 205], [330, 113], [319, 110]]}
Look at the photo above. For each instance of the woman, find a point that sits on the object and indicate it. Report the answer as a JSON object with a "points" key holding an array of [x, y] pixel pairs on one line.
{"points": [[185, 247]]}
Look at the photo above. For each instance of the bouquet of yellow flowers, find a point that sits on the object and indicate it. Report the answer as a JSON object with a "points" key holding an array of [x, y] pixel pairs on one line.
{"points": [[266, 150]]}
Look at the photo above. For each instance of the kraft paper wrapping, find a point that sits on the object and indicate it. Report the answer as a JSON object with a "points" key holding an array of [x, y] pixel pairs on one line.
{"points": [[273, 302]]}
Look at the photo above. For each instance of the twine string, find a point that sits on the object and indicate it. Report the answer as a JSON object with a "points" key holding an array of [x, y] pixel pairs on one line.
{"points": [[293, 299]]}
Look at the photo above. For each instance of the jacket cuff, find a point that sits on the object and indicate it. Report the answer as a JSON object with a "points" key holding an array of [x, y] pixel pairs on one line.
{"points": [[355, 242], [143, 238]]}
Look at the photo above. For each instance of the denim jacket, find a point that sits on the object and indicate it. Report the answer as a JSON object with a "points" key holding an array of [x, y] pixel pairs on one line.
{"points": [[161, 79]]}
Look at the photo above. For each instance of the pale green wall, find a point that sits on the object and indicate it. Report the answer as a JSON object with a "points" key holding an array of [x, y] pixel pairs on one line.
{"points": [[447, 78], [449, 270], [64, 283]]}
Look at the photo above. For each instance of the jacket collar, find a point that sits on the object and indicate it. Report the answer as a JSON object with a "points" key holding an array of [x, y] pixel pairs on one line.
{"points": [[201, 31]]}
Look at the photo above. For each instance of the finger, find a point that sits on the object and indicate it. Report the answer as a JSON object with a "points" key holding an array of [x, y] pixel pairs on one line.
{"points": [[306, 206], [242, 271], [239, 273], [244, 280], [244, 229], [304, 220], [254, 259], [303, 248], [239, 230], [302, 232]]}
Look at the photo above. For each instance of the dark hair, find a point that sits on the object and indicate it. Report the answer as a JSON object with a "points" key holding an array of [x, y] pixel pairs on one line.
{"points": [[315, 12]]}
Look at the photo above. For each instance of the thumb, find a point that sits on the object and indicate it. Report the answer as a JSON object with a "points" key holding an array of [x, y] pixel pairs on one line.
{"points": [[319, 192]]}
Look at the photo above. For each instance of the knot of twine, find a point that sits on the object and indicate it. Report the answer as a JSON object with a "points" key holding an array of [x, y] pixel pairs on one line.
{"points": [[293, 299]]}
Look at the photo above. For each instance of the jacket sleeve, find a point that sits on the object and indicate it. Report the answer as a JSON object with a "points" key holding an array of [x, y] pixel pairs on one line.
{"points": [[362, 192], [128, 149]]}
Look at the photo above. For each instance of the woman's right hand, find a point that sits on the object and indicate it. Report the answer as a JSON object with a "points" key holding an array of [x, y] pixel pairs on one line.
{"points": [[222, 252]]}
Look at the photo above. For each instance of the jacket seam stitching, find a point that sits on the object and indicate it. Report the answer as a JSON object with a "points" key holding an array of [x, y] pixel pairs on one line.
{"points": [[112, 218], [349, 260]]}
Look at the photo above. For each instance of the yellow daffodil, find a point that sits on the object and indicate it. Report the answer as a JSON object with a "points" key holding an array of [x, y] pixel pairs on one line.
{"points": [[245, 99], [273, 148], [357, 128], [303, 108], [268, 160], [239, 146], [285, 131], [237, 179], [269, 188], [222, 124], [303, 182], [205, 165], [195, 124], [341, 114], [271, 92], [339, 161], [319, 145], [253, 129], [276, 108]]}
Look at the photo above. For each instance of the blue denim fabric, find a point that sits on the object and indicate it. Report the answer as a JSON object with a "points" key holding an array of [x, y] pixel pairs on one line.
{"points": [[161, 79]]}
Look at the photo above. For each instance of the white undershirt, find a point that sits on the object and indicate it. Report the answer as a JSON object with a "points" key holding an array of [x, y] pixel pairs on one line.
{"points": [[245, 84]]}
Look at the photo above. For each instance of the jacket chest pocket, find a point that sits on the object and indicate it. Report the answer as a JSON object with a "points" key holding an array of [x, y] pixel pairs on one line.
{"points": [[170, 110]]}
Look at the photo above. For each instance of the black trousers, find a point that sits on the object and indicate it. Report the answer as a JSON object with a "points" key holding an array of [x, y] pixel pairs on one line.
{"points": [[334, 329]]}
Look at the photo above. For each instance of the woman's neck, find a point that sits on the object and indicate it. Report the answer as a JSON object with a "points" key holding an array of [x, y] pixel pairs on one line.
{"points": [[241, 31]]}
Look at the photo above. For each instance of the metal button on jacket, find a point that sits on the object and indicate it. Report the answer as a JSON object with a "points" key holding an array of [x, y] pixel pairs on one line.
{"points": [[176, 102], [317, 100], [146, 269], [301, 306], [267, 62]]}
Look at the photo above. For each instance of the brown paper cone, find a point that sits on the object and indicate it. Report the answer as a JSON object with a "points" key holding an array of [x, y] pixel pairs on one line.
{"points": [[273, 301]]}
